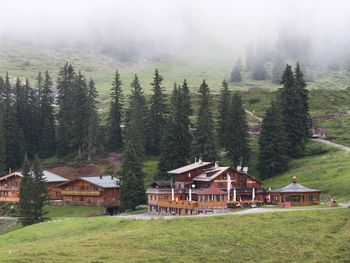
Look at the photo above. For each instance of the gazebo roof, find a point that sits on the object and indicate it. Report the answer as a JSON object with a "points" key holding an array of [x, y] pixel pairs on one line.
{"points": [[294, 187], [211, 191]]}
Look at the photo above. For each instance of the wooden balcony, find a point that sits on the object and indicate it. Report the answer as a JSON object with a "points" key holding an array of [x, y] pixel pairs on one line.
{"points": [[223, 203], [9, 188], [9, 199], [81, 193], [178, 204]]}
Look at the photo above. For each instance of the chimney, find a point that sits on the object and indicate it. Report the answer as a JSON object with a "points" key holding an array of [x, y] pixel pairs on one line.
{"points": [[112, 177], [239, 168], [216, 164], [10, 170], [100, 176], [200, 160], [195, 159], [245, 170]]}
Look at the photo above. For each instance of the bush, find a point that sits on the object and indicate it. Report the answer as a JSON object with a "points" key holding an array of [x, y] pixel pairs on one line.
{"points": [[314, 148]]}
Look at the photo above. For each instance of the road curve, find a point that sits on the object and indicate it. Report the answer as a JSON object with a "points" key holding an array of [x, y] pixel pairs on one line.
{"points": [[336, 145]]}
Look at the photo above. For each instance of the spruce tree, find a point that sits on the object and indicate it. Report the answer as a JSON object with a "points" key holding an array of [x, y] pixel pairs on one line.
{"points": [[273, 143], [238, 136], [92, 122], [224, 115], [236, 75], [277, 70], [80, 114], [132, 175], [13, 134], [157, 115], [115, 115], [175, 143], [185, 91], [64, 139], [293, 109], [2, 147], [47, 119], [39, 192], [26, 202], [259, 70], [205, 143]]}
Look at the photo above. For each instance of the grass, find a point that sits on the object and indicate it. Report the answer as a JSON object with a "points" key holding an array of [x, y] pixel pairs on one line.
{"points": [[73, 211], [329, 172], [337, 130], [298, 236]]}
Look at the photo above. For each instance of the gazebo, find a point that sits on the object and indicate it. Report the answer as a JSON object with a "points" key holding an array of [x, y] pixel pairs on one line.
{"points": [[295, 194]]}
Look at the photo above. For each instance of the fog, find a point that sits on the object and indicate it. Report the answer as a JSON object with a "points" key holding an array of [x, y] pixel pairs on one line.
{"points": [[165, 27]]}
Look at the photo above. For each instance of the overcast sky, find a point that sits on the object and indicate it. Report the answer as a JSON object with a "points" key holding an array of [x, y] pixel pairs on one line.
{"points": [[172, 23]]}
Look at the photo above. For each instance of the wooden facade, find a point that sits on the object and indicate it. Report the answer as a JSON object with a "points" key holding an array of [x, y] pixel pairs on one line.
{"points": [[88, 191], [203, 187], [295, 194], [9, 187]]}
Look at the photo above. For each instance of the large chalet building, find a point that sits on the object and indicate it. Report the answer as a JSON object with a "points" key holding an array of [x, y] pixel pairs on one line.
{"points": [[203, 187]]}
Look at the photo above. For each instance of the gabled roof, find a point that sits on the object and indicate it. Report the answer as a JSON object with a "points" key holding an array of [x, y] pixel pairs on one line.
{"points": [[211, 191], [53, 178], [10, 175], [162, 183], [104, 181], [189, 167], [295, 188], [211, 174]]}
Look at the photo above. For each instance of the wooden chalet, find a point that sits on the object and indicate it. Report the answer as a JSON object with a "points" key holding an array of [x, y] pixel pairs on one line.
{"points": [[295, 194], [9, 186], [203, 187], [100, 190]]}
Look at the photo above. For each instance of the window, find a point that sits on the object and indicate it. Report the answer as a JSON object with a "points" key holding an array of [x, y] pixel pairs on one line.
{"points": [[220, 185]]}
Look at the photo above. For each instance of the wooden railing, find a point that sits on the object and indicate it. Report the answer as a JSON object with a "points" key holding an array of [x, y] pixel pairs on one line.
{"points": [[9, 188], [178, 204], [9, 199], [223, 203], [82, 193]]}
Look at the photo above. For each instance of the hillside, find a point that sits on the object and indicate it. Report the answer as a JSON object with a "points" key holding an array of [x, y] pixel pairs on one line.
{"points": [[240, 238]]}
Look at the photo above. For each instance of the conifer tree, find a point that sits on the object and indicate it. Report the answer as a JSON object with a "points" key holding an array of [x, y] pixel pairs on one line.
{"points": [[273, 143], [13, 134], [26, 202], [92, 122], [238, 136], [47, 119], [205, 144], [115, 115], [2, 147], [224, 115], [259, 70], [277, 70], [65, 118], [293, 109], [175, 143], [185, 91], [236, 75], [39, 192], [80, 114], [157, 115], [132, 175]]}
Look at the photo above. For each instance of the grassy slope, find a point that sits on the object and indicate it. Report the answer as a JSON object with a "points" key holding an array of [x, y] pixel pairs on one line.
{"points": [[314, 236]]}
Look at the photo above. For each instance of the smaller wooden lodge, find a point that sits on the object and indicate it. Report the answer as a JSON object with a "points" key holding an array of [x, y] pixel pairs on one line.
{"points": [[295, 194]]}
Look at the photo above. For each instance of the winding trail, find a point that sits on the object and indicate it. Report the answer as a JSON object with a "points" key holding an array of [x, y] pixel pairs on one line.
{"points": [[336, 145], [253, 115]]}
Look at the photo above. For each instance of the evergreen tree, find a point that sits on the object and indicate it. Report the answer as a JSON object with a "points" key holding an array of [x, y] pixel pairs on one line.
{"points": [[238, 136], [80, 113], [137, 108], [277, 70], [64, 139], [187, 98], [47, 119], [157, 115], [115, 115], [205, 144], [2, 147], [224, 115], [92, 122], [132, 175], [293, 109], [26, 202], [236, 75], [175, 143], [273, 143], [39, 192], [13, 134], [259, 70]]}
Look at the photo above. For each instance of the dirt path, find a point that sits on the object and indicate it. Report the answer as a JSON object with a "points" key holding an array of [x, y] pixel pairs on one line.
{"points": [[336, 145], [147, 216], [252, 114]]}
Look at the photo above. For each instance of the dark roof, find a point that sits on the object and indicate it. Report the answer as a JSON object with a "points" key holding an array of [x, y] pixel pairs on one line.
{"points": [[162, 183], [295, 188], [104, 181], [211, 191]]}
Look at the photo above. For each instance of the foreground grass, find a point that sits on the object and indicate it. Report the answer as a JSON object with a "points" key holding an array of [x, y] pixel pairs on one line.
{"points": [[298, 236], [73, 211], [329, 172]]}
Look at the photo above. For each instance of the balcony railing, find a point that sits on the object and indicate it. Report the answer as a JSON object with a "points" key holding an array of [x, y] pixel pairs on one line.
{"points": [[223, 203], [9, 188], [80, 193], [178, 204], [9, 199]]}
